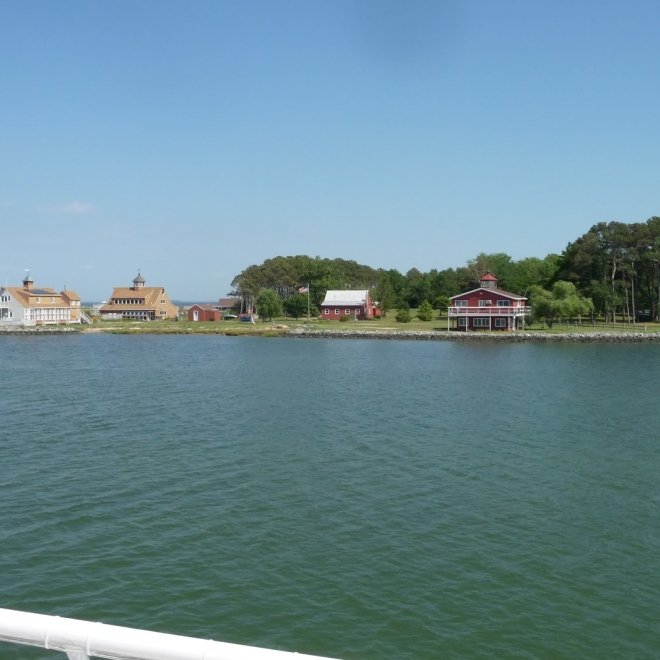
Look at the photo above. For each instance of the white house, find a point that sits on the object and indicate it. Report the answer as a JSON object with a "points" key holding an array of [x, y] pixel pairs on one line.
{"points": [[30, 305]]}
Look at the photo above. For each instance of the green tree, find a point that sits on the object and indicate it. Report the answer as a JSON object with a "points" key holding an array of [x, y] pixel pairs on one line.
{"points": [[425, 311], [499, 264], [441, 303], [383, 294], [268, 304], [617, 265], [417, 288], [563, 301], [296, 306], [285, 275], [527, 272]]}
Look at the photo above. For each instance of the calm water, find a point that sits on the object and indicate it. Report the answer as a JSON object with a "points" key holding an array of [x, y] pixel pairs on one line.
{"points": [[357, 499]]}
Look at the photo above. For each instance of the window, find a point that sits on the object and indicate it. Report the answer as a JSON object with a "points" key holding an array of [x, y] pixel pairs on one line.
{"points": [[461, 303], [347, 311], [462, 321], [326, 311], [482, 322], [485, 303], [504, 303], [500, 323], [336, 311]]}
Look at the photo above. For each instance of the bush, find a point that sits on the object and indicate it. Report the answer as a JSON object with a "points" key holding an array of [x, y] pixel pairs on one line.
{"points": [[344, 318], [403, 316], [425, 311]]}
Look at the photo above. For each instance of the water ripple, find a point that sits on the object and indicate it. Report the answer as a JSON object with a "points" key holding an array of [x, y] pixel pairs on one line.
{"points": [[356, 499]]}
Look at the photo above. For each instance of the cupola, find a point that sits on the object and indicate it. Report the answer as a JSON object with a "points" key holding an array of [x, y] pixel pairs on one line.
{"points": [[138, 282], [488, 281]]}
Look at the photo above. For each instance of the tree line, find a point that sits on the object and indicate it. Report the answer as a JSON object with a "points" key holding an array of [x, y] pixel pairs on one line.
{"points": [[613, 270]]}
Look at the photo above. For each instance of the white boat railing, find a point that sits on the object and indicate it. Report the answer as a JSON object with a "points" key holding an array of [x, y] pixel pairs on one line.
{"points": [[82, 640]]}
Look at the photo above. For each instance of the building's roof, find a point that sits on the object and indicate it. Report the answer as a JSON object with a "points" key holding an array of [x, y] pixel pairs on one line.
{"points": [[228, 302], [500, 292], [44, 291], [489, 277], [206, 307], [151, 295], [348, 297], [138, 279], [28, 297], [71, 295]]}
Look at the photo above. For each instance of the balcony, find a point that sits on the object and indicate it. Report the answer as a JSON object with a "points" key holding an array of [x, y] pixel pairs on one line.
{"points": [[490, 310]]}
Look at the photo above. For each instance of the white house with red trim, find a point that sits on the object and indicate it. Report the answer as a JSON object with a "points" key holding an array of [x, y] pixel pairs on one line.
{"points": [[487, 308], [354, 304]]}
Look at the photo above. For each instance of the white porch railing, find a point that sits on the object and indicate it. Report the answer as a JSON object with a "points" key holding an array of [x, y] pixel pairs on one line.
{"points": [[82, 640], [489, 310]]}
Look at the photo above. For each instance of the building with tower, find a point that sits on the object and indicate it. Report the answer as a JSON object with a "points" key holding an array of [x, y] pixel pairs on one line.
{"points": [[487, 308], [32, 305], [139, 302]]}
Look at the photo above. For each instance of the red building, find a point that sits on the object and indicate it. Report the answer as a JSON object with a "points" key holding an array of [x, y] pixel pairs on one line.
{"points": [[487, 308], [204, 313], [354, 304]]}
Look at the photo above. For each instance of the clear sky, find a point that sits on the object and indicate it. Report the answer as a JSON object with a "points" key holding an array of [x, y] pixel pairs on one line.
{"points": [[192, 138]]}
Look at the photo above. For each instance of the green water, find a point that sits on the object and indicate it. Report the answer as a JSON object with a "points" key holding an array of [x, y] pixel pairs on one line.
{"points": [[355, 499]]}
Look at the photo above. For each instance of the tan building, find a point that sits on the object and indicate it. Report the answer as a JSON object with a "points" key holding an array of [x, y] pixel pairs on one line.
{"points": [[30, 305], [139, 302]]}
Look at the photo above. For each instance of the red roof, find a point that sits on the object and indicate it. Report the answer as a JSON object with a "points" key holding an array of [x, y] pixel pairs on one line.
{"points": [[488, 277]]}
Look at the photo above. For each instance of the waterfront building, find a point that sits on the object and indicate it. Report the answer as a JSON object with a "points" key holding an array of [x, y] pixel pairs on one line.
{"points": [[139, 302], [354, 304], [487, 308], [30, 305], [231, 305], [200, 312]]}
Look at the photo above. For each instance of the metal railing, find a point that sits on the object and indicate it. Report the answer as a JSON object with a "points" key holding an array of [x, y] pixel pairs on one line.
{"points": [[82, 640], [489, 310]]}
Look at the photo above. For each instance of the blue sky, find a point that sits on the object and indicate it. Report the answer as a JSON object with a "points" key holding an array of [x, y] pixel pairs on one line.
{"points": [[192, 139]]}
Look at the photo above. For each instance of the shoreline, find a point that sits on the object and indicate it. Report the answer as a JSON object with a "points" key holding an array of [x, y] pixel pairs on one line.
{"points": [[502, 337], [275, 331]]}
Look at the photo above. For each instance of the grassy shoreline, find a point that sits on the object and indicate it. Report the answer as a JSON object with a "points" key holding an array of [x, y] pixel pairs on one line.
{"points": [[383, 328], [283, 326]]}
